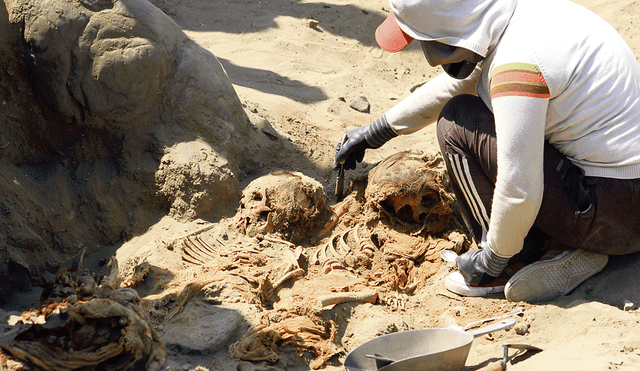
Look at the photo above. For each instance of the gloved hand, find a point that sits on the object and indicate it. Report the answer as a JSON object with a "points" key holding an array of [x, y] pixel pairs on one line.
{"points": [[481, 266], [354, 142]]}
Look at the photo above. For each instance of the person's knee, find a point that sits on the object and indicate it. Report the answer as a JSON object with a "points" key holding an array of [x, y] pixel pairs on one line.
{"points": [[468, 113], [460, 103], [451, 111], [463, 100]]}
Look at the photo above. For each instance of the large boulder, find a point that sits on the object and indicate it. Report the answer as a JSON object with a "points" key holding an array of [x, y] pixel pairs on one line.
{"points": [[97, 99]]}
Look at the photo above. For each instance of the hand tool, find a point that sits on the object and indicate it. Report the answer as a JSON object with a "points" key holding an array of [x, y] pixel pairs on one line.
{"points": [[502, 364], [340, 178]]}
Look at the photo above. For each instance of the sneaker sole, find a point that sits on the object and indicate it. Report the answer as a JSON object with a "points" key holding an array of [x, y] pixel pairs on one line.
{"points": [[455, 283], [549, 279]]}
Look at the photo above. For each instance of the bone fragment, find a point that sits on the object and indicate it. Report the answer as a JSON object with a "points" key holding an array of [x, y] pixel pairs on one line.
{"points": [[278, 240], [343, 297], [293, 273], [340, 209], [194, 233]]}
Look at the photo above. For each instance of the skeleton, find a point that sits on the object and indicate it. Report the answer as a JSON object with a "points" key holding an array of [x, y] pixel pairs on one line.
{"points": [[406, 204], [273, 208], [379, 244], [197, 251]]}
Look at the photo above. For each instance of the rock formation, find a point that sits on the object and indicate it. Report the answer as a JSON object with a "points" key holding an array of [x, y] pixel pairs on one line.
{"points": [[110, 118]]}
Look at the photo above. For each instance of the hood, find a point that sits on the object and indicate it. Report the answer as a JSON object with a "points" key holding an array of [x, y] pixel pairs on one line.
{"points": [[475, 25]]}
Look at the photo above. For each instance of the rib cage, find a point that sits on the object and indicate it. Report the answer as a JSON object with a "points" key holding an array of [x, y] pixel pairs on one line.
{"points": [[338, 254], [196, 251]]}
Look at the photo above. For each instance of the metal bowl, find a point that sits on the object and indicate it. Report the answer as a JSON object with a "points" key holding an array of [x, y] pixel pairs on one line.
{"points": [[437, 349]]}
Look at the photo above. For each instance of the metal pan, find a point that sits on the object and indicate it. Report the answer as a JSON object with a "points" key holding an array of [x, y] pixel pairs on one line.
{"points": [[437, 349]]}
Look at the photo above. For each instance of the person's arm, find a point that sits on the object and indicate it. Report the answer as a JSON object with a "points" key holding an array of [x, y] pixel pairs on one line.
{"points": [[413, 113], [520, 123], [424, 105], [520, 98]]}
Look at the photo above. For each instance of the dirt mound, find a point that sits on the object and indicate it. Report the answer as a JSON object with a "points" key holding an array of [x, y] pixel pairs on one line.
{"points": [[112, 117]]}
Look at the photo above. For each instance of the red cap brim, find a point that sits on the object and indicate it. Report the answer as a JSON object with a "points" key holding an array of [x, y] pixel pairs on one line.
{"points": [[390, 37]]}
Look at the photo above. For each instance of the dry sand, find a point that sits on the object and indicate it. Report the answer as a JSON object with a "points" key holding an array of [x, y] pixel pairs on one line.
{"points": [[301, 78], [297, 65]]}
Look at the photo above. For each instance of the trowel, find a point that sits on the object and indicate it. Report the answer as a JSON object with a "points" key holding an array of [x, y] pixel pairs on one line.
{"points": [[340, 178]]}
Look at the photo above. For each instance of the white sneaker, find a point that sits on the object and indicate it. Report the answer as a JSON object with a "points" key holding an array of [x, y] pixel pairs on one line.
{"points": [[455, 283], [554, 275]]}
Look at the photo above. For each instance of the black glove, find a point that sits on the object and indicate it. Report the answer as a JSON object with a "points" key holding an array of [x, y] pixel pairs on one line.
{"points": [[354, 142], [481, 266]]}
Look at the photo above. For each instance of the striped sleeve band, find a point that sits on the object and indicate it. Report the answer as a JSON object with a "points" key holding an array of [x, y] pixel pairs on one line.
{"points": [[518, 79]]}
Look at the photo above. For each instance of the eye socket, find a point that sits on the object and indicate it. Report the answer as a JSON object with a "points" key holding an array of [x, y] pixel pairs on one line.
{"points": [[430, 200], [405, 213]]}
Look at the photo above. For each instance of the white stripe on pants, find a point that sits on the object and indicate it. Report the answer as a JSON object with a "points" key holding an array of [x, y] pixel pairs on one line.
{"points": [[460, 167]]}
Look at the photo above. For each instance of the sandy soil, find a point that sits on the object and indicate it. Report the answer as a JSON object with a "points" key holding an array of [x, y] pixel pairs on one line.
{"points": [[301, 79], [297, 77]]}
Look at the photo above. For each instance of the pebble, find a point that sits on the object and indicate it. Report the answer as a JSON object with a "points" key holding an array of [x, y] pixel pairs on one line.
{"points": [[313, 23], [360, 104], [521, 328]]}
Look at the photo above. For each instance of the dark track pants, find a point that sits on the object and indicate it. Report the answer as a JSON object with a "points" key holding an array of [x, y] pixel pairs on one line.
{"points": [[591, 213]]}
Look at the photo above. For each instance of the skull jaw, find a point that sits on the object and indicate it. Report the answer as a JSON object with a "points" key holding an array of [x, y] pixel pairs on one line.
{"points": [[418, 212]]}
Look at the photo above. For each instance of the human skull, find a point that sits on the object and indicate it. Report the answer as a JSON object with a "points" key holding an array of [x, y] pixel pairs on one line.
{"points": [[288, 203], [411, 189]]}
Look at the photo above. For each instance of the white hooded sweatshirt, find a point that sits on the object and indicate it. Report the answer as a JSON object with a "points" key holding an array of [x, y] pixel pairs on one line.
{"points": [[553, 70]]}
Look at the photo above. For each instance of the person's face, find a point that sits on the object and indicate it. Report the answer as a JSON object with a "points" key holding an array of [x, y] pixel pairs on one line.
{"points": [[457, 62]]}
